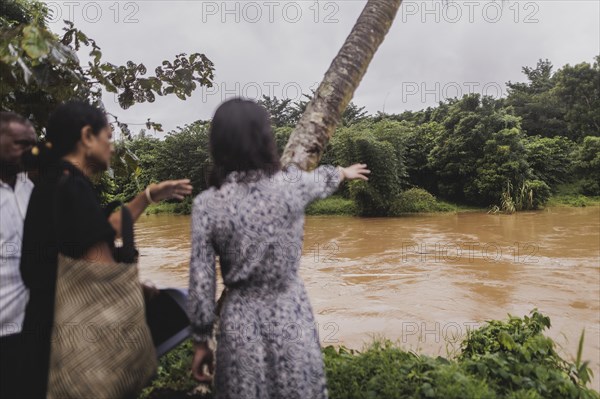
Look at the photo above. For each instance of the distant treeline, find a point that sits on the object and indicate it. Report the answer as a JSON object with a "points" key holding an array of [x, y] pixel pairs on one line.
{"points": [[509, 152]]}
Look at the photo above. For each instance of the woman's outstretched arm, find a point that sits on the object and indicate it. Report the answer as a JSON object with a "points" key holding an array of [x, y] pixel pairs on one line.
{"points": [[168, 189], [322, 181]]}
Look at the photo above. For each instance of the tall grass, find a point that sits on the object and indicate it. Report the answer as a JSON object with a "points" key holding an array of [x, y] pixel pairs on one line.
{"points": [[529, 194]]}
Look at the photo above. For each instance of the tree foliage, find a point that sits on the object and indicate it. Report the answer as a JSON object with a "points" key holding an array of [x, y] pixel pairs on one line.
{"points": [[587, 165], [564, 103], [285, 112], [550, 158], [472, 150], [40, 69]]}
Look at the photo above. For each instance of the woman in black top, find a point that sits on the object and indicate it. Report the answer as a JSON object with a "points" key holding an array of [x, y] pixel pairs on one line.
{"points": [[70, 220]]}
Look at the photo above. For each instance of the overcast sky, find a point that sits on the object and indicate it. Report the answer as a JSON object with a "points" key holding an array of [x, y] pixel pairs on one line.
{"points": [[283, 48]]}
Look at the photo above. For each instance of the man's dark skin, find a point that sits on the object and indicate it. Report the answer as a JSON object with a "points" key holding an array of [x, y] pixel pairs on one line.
{"points": [[15, 139]]}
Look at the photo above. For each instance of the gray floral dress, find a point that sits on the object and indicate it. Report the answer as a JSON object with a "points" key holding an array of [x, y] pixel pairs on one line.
{"points": [[267, 341]]}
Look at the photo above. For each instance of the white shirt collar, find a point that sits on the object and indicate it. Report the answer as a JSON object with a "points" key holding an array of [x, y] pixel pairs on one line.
{"points": [[22, 178]]}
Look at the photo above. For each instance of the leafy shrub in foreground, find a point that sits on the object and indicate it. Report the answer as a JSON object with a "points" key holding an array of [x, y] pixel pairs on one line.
{"points": [[503, 359]]}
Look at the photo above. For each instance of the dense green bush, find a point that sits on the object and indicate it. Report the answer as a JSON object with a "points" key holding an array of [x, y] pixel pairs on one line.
{"points": [[503, 159], [332, 206], [184, 154], [535, 195], [587, 165], [418, 142], [478, 149], [387, 171], [509, 359], [569, 194], [517, 360], [384, 370], [417, 200], [550, 158], [133, 164]]}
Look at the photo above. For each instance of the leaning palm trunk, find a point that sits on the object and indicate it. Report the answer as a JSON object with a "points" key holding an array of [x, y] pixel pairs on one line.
{"points": [[324, 111]]}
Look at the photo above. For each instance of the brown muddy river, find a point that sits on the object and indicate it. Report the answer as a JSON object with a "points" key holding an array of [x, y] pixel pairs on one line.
{"points": [[424, 280]]}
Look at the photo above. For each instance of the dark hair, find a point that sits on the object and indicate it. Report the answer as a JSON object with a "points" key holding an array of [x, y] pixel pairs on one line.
{"points": [[65, 123], [8, 117], [241, 139]]}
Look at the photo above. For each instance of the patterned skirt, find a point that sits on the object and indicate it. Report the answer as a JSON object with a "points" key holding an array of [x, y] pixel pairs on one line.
{"points": [[268, 344]]}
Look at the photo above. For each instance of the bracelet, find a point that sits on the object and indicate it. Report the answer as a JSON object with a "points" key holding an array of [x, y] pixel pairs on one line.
{"points": [[148, 197]]}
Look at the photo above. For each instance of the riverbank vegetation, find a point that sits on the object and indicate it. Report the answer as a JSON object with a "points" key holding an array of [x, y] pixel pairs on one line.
{"points": [[502, 359], [539, 145]]}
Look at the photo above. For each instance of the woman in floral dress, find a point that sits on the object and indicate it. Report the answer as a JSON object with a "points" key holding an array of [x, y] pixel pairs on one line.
{"points": [[252, 218]]}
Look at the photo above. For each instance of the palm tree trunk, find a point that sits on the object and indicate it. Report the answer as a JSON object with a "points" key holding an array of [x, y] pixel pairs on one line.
{"points": [[324, 112]]}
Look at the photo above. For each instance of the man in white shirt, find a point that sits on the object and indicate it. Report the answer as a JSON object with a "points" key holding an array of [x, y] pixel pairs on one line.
{"points": [[17, 137]]}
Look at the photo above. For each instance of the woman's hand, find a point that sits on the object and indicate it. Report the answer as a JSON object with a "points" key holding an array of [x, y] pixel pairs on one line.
{"points": [[203, 356], [356, 171], [157, 192], [170, 189]]}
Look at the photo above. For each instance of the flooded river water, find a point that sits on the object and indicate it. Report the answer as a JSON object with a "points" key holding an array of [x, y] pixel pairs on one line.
{"points": [[424, 280]]}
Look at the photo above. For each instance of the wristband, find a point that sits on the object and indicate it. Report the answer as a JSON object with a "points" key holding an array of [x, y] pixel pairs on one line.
{"points": [[148, 197]]}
